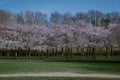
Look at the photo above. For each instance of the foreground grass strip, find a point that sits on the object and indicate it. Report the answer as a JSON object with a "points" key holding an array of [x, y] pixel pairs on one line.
{"points": [[59, 74], [36, 67], [54, 78]]}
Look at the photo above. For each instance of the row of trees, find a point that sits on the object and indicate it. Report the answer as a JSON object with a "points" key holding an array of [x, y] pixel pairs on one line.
{"points": [[28, 32], [60, 38], [96, 18]]}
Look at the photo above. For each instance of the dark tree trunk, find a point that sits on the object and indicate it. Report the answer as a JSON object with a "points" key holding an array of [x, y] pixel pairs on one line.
{"points": [[94, 53], [26, 52], [119, 49], [53, 52], [47, 51], [41, 54], [0, 53], [15, 53], [111, 51], [7, 53], [78, 50], [107, 53], [99, 50], [70, 52], [62, 51], [56, 51], [88, 51], [20, 52], [91, 52], [82, 51], [66, 53], [29, 53]]}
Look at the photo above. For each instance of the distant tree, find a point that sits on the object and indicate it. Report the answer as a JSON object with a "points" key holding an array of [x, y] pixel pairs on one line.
{"points": [[114, 17], [56, 18], [4, 16], [29, 17], [96, 38], [81, 17], [95, 17], [67, 19], [115, 32], [40, 18], [20, 18], [105, 22]]}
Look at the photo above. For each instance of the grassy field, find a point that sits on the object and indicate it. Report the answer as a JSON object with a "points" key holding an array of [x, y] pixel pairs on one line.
{"points": [[63, 58], [53, 78], [16, 67]]}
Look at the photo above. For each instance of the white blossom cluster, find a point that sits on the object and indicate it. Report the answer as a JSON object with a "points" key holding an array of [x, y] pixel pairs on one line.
{"points": [[15, 36]]}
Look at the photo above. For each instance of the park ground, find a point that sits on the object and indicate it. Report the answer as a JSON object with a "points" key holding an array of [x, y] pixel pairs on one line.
{"points": [[86, 68]]}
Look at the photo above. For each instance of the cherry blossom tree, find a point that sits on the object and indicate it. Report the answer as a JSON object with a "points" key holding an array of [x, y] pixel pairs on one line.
{"points": [[58, 40], [115, 32]]}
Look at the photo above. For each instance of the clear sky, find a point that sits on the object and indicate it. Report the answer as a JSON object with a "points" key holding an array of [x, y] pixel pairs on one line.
{"points": [[62, 6]]}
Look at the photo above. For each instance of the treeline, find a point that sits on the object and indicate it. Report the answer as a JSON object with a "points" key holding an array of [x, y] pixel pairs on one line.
{"points": [[33, 33], [96, 18]]}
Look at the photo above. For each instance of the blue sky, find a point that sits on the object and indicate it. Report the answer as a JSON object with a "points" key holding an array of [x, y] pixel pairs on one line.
{"points": [[62, 6]]}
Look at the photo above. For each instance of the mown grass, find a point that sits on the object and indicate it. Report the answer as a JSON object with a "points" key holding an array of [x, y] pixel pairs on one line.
{"points": [[53, 78], [16, 67], [62, 58]]}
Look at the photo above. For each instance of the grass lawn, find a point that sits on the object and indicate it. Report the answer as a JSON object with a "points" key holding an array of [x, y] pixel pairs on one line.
{"points": [[53, 78], [63, 58], [16, 67]]}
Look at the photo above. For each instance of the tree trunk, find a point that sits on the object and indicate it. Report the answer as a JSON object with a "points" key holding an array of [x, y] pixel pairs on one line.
{"points": [[62, 51], [99, 51], [7, 53], [70, 52], [29, 53], [82, 51], [20, 52], [16, 54], [107, 54], [88, 52], [26, 52], [66, 53], [119, 49], [53, 52], [0, 53], [56, 51], [41, 54], [78, 50], [47, 52], [94, 53], [111, 51], [91, 52]]}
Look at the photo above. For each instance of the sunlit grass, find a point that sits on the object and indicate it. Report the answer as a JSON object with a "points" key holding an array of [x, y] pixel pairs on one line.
{"points": [[16, 67]]}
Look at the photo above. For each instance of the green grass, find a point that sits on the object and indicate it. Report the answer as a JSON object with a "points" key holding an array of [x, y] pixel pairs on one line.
{"points": [[63, 58], [16, 67], [53, 78]]}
